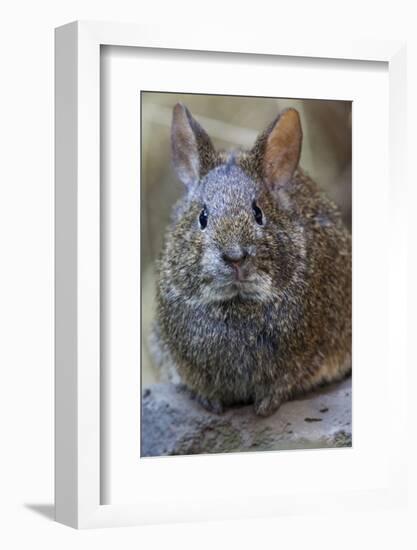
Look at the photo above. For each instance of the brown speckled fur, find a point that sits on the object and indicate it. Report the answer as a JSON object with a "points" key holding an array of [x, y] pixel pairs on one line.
{"points": [[292, 331]]}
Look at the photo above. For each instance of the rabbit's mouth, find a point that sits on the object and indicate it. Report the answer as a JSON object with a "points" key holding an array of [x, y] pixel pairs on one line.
{"points": [[255, 288], [220, 282], [242, 284]]}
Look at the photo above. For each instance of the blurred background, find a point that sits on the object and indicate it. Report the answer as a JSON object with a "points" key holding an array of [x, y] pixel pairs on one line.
{"points": [[231, 122]]}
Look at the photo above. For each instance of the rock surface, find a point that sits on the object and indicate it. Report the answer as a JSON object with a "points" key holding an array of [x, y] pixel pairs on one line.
{"points": [[175, 424]]}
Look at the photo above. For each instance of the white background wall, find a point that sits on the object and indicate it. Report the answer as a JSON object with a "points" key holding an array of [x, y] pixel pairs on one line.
{"points": [[26, 273]]}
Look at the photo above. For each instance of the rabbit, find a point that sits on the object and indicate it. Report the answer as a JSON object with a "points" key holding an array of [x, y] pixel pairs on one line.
{"points": [[254, 278]]}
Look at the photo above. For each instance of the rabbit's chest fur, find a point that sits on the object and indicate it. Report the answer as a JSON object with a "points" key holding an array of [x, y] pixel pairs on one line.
{"points": [[227, 350]]}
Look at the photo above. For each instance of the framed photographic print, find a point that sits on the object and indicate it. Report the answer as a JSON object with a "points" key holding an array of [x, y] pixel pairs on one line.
{"points": [[225, 307], [232, 261]]}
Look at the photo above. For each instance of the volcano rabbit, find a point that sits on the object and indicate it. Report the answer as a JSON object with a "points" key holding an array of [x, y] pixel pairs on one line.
{"points": [[254, 280]]}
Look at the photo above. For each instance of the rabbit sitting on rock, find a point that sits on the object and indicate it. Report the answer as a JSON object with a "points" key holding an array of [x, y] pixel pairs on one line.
{"points": [[254, 280]]}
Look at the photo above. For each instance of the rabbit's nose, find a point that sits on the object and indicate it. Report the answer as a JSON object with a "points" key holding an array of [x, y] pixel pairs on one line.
{"points": [[234, 256]]}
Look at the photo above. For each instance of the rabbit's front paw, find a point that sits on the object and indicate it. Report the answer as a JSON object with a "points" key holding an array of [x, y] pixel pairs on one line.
{"points": [[267, 404], [212, 405]]}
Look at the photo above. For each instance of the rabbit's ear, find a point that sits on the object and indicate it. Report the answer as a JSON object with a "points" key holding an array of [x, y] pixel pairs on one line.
{"points": [[281, 148], [192, 151]]}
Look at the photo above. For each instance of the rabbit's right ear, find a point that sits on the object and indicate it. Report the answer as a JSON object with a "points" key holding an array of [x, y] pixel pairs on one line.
{"points": [[277, 151], [192, 151]]}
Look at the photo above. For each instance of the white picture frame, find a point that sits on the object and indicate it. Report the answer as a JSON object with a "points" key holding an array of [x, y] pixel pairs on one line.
{"points": [[77, 424]]}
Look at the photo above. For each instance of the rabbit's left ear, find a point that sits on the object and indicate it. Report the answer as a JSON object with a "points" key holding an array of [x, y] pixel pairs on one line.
{"points": [[281, 148]]}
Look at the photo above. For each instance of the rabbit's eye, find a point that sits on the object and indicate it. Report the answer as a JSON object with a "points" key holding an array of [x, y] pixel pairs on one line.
{"points": [[257, 212], [203, 218]]}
